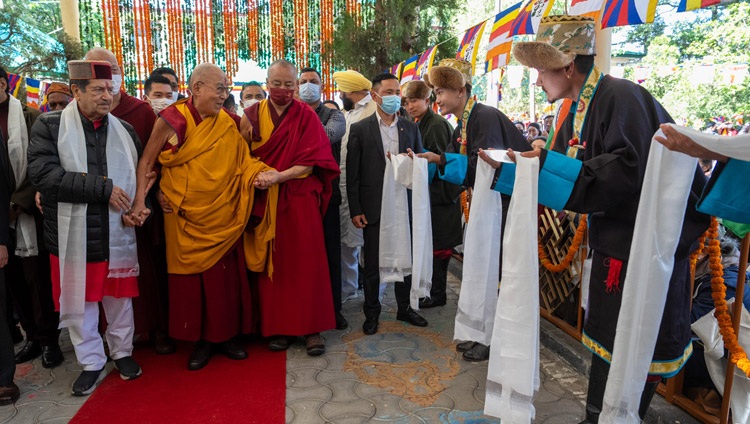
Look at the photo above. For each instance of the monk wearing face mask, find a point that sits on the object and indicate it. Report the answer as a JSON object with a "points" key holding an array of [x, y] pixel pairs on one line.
{"points": [[287, 135]]}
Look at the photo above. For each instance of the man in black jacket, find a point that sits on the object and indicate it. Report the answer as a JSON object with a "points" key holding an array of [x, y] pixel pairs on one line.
{"points": [[83, 160], [370, 140]]}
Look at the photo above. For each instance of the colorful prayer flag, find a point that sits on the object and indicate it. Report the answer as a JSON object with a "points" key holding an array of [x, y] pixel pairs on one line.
{"points": [[628, 12], [32, 92], [498, 50], [14, 85], [590, 8], [530, 15], [409, 71], [425, 62], [686, 5], [469, 46], [396, 70]]}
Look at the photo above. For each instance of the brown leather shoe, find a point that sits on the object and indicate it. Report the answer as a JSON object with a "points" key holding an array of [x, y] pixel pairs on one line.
{"points": [[9, 394]]}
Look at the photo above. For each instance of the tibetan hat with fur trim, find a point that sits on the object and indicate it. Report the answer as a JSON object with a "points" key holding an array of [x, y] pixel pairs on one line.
{"points": [[559, 40], [450, 73], [415, 90]]}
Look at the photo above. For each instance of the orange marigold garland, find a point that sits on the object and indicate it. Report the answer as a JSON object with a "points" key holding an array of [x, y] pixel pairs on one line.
{"points": [[465, 200], [568, 259], [736, 353]]}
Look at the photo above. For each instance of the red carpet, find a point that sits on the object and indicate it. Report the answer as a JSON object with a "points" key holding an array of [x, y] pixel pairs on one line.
{"points": [[225, 391]]}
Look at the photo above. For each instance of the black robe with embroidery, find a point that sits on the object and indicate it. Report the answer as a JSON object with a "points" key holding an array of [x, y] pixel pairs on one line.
{"points": [[445, 212], [622, 120]]}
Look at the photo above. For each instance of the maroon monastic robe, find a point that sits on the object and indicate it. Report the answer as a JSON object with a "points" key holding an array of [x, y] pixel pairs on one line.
{"points": [[298, 300]]}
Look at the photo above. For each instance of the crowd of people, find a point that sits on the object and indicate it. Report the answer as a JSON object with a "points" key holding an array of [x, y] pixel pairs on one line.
{"points": [[187, 216]]}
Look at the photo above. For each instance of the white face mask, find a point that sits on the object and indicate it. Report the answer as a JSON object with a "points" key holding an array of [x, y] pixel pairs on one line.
{"points": [[159, 104], [247, 103], [309, 92], [116, 82], [175, 96]]}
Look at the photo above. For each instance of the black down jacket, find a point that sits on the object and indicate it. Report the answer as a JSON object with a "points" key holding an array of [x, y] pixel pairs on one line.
{"points": [[58, 185]]}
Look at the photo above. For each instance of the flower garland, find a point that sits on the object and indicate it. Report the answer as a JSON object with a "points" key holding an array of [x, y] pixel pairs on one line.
{"points": [[737, 354], [701, 248], [465, 200], [574, 246]]}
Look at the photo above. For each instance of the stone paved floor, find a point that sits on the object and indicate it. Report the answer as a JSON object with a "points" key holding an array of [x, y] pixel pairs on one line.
{"points": [[406, 374], [403, 374]]}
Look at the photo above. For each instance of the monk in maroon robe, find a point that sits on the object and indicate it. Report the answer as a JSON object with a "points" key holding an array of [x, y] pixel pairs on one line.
{"points": [[287, 135], [150, 308]]}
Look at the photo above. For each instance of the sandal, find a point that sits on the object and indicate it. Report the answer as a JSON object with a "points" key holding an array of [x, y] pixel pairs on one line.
{"points": [[315, 344]]}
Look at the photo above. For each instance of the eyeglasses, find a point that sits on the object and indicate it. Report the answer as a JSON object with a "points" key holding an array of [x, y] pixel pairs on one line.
{"points": [[221, 89]]}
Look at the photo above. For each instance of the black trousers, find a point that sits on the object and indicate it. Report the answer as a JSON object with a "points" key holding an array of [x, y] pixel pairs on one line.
{"points": [[372, 276], [598, 382], [7, 354], [332, 235], [29, 285]]}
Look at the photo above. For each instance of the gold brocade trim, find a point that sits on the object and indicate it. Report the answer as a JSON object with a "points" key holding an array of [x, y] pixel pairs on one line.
{"points": [[464, 122], [663, 368], [584, 100]]}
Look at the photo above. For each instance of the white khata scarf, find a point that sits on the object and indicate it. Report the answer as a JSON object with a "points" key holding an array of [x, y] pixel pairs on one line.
{"points": [[513, 373], [481, 271], [658, 224], [395, 254], [18, 144], [71, 217]]}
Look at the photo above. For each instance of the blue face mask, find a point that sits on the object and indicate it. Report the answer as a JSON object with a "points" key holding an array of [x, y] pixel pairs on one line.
{"points": [[309, 92], [391, 104]]}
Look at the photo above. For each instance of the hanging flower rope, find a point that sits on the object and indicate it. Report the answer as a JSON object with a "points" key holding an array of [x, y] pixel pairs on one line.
{"points": [[465, 200], [568, 259], [737, 354]]}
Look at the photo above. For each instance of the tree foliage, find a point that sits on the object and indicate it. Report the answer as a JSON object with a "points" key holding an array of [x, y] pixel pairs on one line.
{"points": [[31, 40], [392, 31], [717, 37]]}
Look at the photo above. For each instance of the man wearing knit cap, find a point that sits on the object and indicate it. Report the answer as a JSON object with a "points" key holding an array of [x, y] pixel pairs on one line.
{"points": [[358, 104], [596, 165], [83, 162], [447, 232], [479, 127], [58, 96]]}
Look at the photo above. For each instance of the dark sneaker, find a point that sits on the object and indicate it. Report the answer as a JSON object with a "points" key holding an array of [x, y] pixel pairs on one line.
{"points": [[87, 382], [129, 369]]}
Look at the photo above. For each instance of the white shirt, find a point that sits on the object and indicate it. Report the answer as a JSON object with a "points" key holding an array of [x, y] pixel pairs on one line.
{"points": [[388, 135]]}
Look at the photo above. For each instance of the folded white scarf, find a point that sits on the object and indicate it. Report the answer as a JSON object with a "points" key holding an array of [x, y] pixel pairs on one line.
{"points": [[478, 297], [18, 144], [395, 255], [513, 373]]}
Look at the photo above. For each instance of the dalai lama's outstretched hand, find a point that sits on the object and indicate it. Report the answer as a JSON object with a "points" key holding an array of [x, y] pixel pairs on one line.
{"points": [[677, 142]]}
